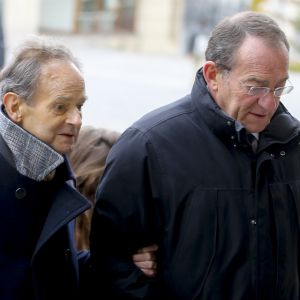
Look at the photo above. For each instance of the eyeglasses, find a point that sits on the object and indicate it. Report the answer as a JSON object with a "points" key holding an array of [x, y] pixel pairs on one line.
{"points": [[263, 91]]}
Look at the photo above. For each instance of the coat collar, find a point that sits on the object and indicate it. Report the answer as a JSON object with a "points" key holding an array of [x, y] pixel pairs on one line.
{"points": [[33, 158], [66, 206]]}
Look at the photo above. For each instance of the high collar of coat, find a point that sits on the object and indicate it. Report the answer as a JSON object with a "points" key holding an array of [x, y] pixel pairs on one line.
{"points": [[33, 158], [282, 128]]}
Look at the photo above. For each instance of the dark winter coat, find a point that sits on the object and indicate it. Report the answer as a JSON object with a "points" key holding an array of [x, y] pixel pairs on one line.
{"points": [[38, 259], [226, 219]]}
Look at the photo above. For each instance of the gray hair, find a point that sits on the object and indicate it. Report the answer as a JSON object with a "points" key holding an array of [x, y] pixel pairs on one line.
{"points": [[21, 75], [229, 34]]}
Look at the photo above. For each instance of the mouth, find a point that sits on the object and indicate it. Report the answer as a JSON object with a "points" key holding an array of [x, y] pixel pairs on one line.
{"points": [[261, 116], [68, 136]]}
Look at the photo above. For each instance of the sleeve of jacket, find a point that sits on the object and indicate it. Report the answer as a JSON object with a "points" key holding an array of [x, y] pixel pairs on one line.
{"points": [[125, 217]]}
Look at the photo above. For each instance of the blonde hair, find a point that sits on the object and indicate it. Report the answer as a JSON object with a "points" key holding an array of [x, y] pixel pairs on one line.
{"points": [[88, 160]]}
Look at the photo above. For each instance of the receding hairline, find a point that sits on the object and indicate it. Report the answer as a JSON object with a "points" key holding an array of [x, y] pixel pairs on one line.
{"points": [[21, 73], [244, 16], [43, 49]]}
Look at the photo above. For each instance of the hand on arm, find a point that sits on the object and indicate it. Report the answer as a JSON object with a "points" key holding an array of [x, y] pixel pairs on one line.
{"points": [[145, 259]]}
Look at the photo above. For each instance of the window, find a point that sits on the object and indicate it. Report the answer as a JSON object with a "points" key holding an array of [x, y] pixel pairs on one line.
{"points": [[106, 15]]}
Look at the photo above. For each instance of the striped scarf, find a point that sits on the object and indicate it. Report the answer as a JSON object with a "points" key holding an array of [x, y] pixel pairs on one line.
{"points": [[33, 158]]}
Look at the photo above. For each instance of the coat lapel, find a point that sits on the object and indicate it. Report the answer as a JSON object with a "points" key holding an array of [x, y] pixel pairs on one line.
{"points": [[67, 205]]}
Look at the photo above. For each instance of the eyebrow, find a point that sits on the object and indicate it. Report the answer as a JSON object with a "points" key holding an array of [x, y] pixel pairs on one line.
{"points": [[66, 98], [261, 81]]}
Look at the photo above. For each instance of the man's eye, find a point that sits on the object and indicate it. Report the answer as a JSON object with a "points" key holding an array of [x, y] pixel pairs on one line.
{"points": [[60, 108], [254, 90]]}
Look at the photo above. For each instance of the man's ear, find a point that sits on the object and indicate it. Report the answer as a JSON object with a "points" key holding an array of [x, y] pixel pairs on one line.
{"points": [[210, 74], [12, 103]]}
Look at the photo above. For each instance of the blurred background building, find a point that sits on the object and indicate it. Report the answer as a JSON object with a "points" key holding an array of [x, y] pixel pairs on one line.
{"points": [[156, 26], [148, 49], [164, 26]]}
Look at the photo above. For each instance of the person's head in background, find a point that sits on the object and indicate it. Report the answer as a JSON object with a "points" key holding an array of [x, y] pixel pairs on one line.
{"points": [[43, 90], [246, 68], [88, 161]]}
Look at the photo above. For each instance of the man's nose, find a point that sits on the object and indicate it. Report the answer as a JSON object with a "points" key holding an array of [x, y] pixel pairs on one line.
{"points": [[74, 117], [269, 102]]}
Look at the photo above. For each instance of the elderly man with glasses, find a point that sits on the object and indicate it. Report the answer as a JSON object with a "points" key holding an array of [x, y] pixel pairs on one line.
{"points": [[225, 213]]}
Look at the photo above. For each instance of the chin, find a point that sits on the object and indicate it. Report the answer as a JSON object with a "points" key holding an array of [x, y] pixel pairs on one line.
{"points": [[65, 150], [257, 128]]}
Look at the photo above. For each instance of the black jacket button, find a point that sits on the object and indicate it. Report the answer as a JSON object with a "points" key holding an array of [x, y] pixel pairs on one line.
{"points": [[20, 193], [67, 254]]}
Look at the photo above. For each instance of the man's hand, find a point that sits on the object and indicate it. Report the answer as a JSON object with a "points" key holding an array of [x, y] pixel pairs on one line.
{"points": [[145, 259]]}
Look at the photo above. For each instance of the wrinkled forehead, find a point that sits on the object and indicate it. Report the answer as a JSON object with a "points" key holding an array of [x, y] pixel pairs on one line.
{"points": [[60, 73], [259, 55]]}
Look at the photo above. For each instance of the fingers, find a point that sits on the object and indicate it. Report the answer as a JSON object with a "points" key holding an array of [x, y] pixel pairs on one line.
{"points": [[149, 272], [149, 268], [147, 256], [150, 248], [146, 265], [145, 260]]}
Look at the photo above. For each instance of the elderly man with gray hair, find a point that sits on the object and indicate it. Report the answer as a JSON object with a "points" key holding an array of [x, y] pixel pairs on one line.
{"points": [[42, 91]]}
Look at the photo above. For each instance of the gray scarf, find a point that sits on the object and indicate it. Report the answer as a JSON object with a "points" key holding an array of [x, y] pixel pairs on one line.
{"points": [[33, 158]]}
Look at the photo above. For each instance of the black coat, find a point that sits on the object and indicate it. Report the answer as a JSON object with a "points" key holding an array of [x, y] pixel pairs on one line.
{"points": [[226, 219], [38, 259]]}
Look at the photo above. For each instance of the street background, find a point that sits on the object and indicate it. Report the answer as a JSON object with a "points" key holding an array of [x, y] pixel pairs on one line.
{"points": [[123, 86], [138, 55]]}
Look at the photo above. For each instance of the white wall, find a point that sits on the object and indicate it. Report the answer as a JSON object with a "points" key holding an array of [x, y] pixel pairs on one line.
{"points": [[157, 24], [57, 15], [20, 18]]}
